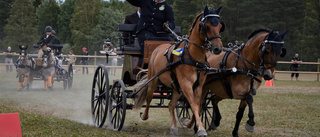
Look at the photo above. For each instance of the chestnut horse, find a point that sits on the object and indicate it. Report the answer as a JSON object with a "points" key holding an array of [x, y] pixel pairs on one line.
{"points": [[187, 69], [241, 73]]}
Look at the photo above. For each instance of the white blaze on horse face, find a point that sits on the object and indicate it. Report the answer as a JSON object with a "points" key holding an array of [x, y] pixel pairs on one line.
{"points": [[45, 62]]}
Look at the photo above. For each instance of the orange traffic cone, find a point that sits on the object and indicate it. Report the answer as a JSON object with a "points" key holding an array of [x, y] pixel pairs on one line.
{"points": [[269, 83]]}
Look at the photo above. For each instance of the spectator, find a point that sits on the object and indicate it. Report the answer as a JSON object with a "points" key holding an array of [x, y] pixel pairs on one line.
{"points": [[8, 60], [71, 58], [114, 61], [84, 60], [295, 65]]}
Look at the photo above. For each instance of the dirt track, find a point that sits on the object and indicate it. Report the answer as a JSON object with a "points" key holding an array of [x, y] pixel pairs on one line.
{"points": [[74, 104], [71, 104]]}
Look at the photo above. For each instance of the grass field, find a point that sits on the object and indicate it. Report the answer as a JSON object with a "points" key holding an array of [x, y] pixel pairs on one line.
{"points": [[291, 108]]}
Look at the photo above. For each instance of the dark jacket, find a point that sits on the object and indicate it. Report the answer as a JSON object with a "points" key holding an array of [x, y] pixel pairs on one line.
{"points": [[295, 59], [153, 15], [85, 59], [44, 40]]}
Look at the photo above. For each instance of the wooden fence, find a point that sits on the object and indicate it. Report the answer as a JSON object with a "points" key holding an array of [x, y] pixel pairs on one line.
{"points": [[95, 57]]}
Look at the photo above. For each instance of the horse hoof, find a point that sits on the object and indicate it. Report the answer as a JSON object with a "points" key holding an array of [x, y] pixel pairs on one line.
{"points": [[201, 133], [19, 89], [174, 131], [249, 128], [142, 116], [184, 122]]}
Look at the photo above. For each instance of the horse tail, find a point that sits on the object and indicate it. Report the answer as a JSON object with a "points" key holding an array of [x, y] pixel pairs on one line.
{"points": [[142, 89]]}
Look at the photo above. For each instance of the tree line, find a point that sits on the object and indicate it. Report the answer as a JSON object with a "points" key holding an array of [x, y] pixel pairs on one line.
{"points": [[84, 23]]}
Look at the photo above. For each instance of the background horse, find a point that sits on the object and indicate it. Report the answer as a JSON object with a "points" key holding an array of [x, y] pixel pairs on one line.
{"points": [[23, 67], [242, 70], [48, 70], [189, 79]]}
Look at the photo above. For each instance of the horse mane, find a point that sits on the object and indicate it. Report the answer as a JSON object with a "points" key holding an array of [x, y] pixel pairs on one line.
{"points": [[194, 22], [257, 32]]}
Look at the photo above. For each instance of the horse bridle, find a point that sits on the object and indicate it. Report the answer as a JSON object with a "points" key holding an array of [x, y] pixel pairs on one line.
{"points": [[22, 54], [263, 49], [204, 28]]}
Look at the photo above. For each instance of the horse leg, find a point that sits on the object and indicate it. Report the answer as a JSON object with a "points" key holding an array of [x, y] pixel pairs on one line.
{"points": [[50, 82], [242, 107], [250, 122], [172, 106], [45, 85], [195, 102], [151, 87], [25, 81], [216, 114], [20, 83]]}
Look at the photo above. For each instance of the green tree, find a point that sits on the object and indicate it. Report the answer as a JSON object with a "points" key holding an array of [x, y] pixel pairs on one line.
{"points": [[185, 12], [20, 29], [107, 27], [5, 6], [66, 13], [84, 19], [47, 15], [308, 47]]}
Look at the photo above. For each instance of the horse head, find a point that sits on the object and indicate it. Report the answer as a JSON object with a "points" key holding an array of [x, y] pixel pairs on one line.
{"points": [[271, 48], [46, 57], [23, 52], [210, 26]]}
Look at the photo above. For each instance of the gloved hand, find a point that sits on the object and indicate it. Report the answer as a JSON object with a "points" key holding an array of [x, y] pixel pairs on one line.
{"points": [[166, 26]]}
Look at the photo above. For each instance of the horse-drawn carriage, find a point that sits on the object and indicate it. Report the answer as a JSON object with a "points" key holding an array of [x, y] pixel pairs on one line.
{"points": [[48, 68], [183, 72]]}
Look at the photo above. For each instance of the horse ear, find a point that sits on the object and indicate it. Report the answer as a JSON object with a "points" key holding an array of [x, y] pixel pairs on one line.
{"points": [[20, 47], [284, 33], [27, 47], [218, 10], [206, 11]]}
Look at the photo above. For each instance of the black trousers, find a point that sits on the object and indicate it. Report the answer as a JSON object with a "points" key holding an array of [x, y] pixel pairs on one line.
{"points": [[294, 69], [84, 68]]}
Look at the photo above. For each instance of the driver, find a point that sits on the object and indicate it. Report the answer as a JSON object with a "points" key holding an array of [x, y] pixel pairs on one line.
{"points": [[154, 14], [45, 40]]}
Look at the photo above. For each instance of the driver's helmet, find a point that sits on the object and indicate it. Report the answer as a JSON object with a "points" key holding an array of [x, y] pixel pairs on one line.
{"points": [[48, 29]]}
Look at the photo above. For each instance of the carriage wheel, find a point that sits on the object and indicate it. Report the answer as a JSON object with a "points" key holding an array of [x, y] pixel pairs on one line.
{"points": [[65, 79], [207, 114], [183, 110], [70, 76], [117, 105], [100, 96]]}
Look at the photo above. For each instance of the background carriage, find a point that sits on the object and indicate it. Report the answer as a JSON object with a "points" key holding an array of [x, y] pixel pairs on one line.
{"points": [[60, 75], [112, 99]]}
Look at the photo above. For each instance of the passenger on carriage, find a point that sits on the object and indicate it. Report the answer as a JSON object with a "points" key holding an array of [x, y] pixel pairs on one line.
{"points": [[131, 19], [56, 41], [45, 40], [154, 15]]}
